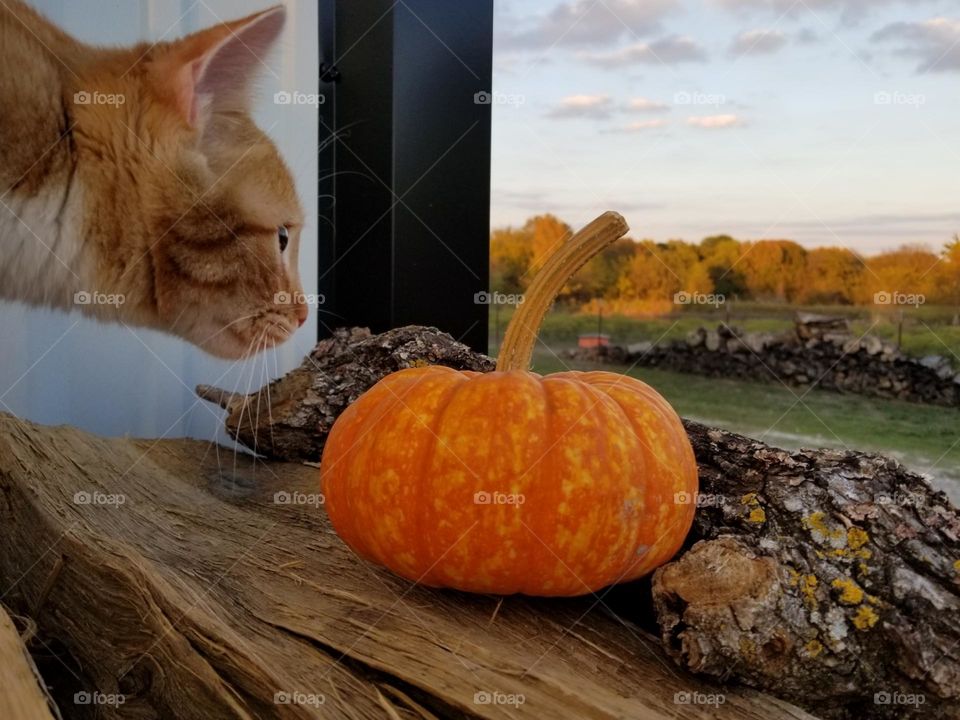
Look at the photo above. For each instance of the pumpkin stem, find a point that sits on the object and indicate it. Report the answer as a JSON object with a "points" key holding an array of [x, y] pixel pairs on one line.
{"points": [[521, 336]]}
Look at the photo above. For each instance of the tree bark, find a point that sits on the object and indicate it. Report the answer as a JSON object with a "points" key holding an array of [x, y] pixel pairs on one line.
{"points": [[828, 578], [289, 419], [189, 583]]}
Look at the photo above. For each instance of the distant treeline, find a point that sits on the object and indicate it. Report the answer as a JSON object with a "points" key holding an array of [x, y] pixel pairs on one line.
{"points": [[646, 277]]}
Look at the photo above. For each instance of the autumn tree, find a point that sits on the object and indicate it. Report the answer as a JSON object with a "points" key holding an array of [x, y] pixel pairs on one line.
{"points": [[948, 276], [547, 233], [908, 270], [773, 269], [598, 278], [511, 256], [831, 276], [721, 257], [660, 270]]}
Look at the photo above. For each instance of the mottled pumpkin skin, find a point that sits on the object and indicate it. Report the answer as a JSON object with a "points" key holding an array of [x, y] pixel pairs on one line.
{"points": [[596, 457]]}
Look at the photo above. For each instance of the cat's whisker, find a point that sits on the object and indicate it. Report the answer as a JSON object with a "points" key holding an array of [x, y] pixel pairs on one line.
{"points": [[331, 313], [264, 378], [276, 373], [243, 408]]}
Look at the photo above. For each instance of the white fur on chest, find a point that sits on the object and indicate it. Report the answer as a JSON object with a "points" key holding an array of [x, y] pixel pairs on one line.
{"points": [[41, 258]]}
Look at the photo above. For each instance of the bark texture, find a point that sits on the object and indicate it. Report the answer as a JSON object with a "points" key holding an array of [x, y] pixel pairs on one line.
{"points": [[290, 418], [828, 577]]}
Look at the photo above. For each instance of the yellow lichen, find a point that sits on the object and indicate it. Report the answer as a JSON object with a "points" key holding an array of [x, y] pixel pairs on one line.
{"points": [[816, 524], [863, 568], [757, 514], [814, 648], [956, 565], [865, 618], [808, 587], [850, 592], [857, 537]]}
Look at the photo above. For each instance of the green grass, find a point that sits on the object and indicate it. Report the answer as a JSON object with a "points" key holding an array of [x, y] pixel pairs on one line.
{"points": [[925, 438]]}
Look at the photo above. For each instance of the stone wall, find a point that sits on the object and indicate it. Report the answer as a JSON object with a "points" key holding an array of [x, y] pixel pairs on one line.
{"points": [[821, 352]]}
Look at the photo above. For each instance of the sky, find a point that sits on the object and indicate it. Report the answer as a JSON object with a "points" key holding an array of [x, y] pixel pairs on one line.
{"points": [[828, 122]]}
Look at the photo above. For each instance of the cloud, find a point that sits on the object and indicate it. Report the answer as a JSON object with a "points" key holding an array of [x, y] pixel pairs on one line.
{"points": [[587, 22], [667, 51], [935, 42], [643, 105], [642, 125], [714, 122], [758, 42], [597, 107], [851, 11]]}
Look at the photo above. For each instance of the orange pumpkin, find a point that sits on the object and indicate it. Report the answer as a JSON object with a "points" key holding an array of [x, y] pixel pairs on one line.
{"points": [[509, 482]]}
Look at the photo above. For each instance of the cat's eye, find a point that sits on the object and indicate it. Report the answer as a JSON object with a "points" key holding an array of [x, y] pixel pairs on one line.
{"points": [[284, 237]]}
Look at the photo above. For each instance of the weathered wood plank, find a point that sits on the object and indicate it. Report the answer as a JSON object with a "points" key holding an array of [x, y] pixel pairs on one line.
{"points": [[196, 592], [20, 695]]}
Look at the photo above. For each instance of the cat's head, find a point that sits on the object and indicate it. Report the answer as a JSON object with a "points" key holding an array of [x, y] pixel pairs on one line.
{"points": [[221, 213]]}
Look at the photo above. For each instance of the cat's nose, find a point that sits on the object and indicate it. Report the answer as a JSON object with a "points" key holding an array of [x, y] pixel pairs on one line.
{"points": [[302, 312]]}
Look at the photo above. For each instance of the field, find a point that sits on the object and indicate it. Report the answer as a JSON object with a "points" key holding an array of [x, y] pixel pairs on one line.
{"points": [[925, 438]]}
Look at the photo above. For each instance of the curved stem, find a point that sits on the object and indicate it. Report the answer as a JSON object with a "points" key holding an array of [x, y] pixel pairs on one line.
{"points": [[521, 336]]}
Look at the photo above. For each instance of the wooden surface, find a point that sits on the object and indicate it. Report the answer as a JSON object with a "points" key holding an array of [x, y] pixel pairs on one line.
{"points": [[200, 596], [20, 695]]}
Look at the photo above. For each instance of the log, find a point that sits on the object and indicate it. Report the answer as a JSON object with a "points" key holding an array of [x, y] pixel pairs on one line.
{"points": [[289, 419], [185, 586], [21, 697], [828, 578]]}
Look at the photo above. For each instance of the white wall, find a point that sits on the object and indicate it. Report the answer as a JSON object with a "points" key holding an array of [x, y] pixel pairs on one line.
{"points": [[57, 368]]}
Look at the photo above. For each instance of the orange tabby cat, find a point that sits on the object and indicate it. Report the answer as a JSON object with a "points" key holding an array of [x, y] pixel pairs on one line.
{"points": [[135, 186]]}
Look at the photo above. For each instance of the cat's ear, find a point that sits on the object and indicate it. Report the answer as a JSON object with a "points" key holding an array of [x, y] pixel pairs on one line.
{"points": [[215, 68]]}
